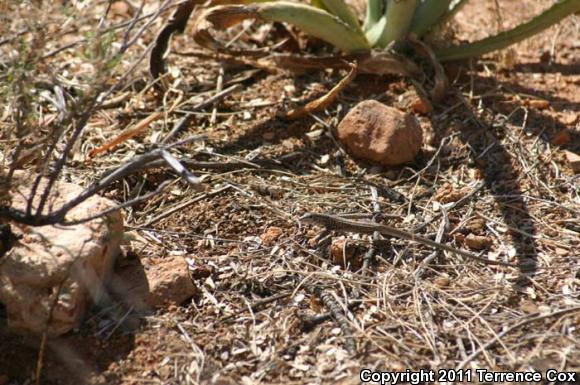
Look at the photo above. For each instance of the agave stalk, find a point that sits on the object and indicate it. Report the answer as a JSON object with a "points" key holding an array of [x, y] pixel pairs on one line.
{"points": [[398, 17], [375, 10], [548, 18], [428, 14]]}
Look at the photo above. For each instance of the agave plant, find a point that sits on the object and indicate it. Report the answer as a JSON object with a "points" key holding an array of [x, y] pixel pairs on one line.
{"points": [[386, 22]]}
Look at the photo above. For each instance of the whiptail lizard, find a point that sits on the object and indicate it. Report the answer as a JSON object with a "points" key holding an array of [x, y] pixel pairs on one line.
{"points": [[333, 222]]}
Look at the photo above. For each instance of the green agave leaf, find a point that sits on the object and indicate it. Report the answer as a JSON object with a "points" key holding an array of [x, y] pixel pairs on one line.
{"points": [[343, 11], [399, 15], [428, 14], [376, 31], [375, 11], [314, 21], [546, 19]]}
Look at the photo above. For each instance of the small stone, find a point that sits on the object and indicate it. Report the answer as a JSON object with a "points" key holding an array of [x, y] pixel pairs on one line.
{"points": [[573, 160], [380, 134], [153, 283]]}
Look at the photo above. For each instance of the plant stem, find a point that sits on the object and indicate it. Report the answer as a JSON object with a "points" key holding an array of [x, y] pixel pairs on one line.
{"points": [[428, 13], [546, 19], [375, 9], [399, 15]]}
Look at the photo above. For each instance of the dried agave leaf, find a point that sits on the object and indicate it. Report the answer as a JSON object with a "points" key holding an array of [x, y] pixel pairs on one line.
{"points": [[305, 63], [177, 23], [387, 63], [441, 83], [375, 63], [327, 99]]}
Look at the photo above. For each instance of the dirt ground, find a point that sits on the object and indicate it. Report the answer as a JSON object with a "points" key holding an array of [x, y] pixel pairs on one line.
{"points": [[497, 144]]}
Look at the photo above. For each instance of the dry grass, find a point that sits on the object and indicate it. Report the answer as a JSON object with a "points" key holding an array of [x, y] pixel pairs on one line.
{"points": [[491, 143]]}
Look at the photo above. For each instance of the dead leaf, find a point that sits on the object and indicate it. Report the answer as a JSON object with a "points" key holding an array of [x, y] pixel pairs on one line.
{"points": [[447, 193], [177, 23], [271, 235], [477, 242], [121, 8], [324, 101], [342, 252], [375, 63], [537, 103], [387, 63], [421, 106], [441, 83], [223, 17]]}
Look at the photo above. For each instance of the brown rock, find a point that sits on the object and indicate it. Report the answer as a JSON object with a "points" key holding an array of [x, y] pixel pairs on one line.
{"points": [[73, 262], [155, 283], [380, 134]]}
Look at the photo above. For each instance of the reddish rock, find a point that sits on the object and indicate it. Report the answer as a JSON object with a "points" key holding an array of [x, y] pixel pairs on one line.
{"points": [[374, 132], [158, 282], [72, 262]]}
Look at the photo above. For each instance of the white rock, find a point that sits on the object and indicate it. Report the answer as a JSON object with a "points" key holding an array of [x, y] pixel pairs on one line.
{"points": [[74, 262]]}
